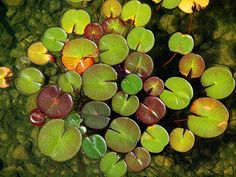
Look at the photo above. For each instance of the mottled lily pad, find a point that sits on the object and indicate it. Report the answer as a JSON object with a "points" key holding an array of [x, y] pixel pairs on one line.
{"points": [[209, 119], [111, 8], [56, 142], [132, 84], [114, 26], [5, 75], [188, 6], [125, 130], [93, 31], [154, 86]]}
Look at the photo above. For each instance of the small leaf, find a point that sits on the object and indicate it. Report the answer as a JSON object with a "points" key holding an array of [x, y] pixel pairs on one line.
{"points": [[132, 84], [111, 8], [93, 31], [170, 4], [114, 26], [5, 74], [188, 6], [154, 86], [73, 120]]}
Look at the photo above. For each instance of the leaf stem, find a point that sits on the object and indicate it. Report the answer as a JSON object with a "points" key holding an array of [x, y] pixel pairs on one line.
{"points": [[173, 56], [190, 23]]}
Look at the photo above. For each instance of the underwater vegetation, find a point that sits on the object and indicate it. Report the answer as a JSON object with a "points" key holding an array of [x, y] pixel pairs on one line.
{"points": [[93, 89]]}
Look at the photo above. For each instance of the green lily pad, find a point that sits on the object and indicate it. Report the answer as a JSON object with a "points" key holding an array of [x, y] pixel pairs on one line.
{"points": [[75, 21], [112, 166], [70, 81], [56, 142], [210, 118], [54, 39], [98, 82], [94, 147], [181, 140], [125, 130], [155, 138], [111, 8], [181, 43], [115, 53], [170, 4], [114, 26], [73, 120], [141, 39], [178, 94], [29, 81], [125, 105], [132, 84], [219, 82], [139, 14], [96, 114]]}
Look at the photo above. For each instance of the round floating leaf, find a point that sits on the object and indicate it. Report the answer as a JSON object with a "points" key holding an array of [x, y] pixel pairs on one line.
{"points": [[115, 53], [125, 130], [111, 8], [78, 54], [54, 39], [151, 111], [114, 26], [112, 166], [153, 85], [138, 159], [181, 43], [178, 94], [125, 105], [218, 81], [38, 54], [188, 6], [96, 114], [57, 142], [29, 81], [209, 119], [94, 147], [98, 82], [141, 39], [70, 81], [155, 138], [75, 21], [170, 4], [192, 65], [93, 31], [139, 63], [73, 120], [22, 63], [53, 102], [181, 140], [139, 14], [37, 117], [5, 75], [132, 84]]}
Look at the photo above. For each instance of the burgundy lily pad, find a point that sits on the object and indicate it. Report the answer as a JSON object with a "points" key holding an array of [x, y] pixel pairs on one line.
{"points": [[154, 85], [114, 25], [54, 103], [151, 111], [138, 159], [93, 31]]}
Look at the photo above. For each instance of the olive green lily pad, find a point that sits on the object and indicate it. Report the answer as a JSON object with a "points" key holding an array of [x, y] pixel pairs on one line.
{"points": [[155, 138], [181, 140], [141, 39], [113, 48], [112, 166], [132, 84], [125, 105], [210, 117], [178, 94], [170, 4], [123, 135], [219, 82], [73, 119], [99, 82], [56, 142]]}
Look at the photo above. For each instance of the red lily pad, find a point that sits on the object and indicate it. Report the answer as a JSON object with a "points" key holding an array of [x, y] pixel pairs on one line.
{"points": [[93, 31], [114, 25], [154, 85]]}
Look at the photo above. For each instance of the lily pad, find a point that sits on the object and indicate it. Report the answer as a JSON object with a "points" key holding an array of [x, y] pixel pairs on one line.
{"points": [[151, 111], [54, 103], [99, 82], [139, 63], [138, 159], [192, 65], [22, 63], [139, 14], [56, 142], [155, 138], [75, 21], [181, 140], [188, 6], [154, 86], [125, 130], [112, 166], [219, 82], [93, 31], [115, 53], [54, 39], [170, 4], [132, 84], [94, 147], [210, 118], [125, 105], [29, 81], [111, 8], [96, 114], [73, 119], [114, 26], [5, 75], [70, 81], [178, 94], [181, 43], [141, 39]]}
